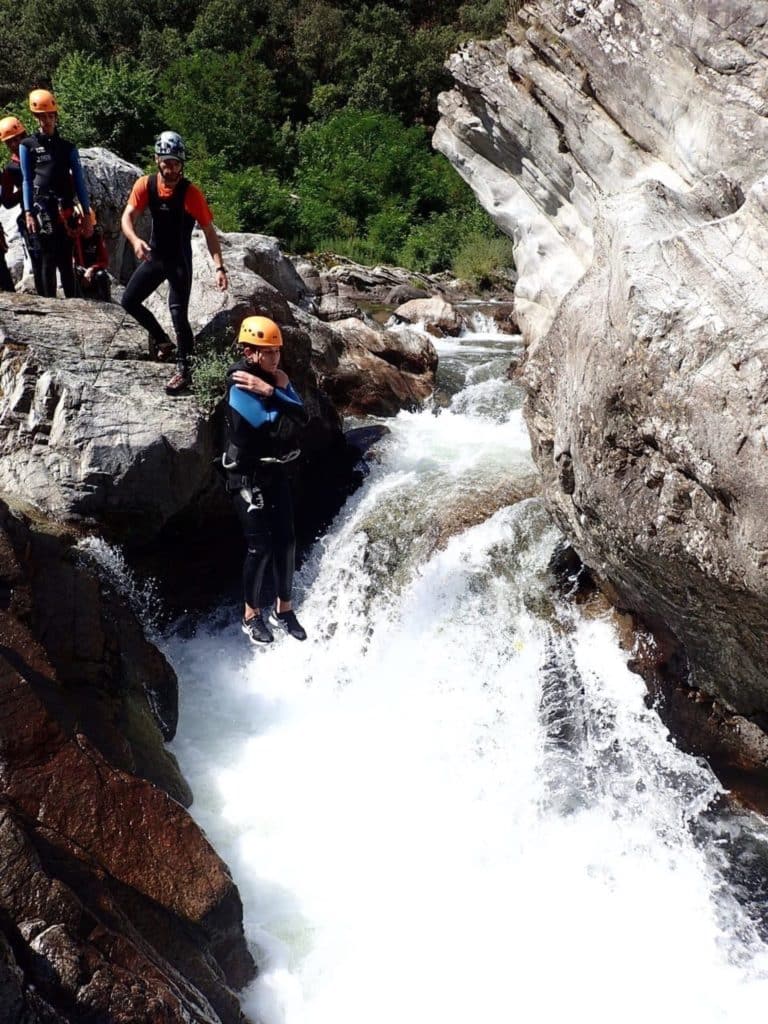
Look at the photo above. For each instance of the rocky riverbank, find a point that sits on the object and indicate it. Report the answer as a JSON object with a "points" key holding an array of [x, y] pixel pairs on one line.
{"points": [[624, 149]]}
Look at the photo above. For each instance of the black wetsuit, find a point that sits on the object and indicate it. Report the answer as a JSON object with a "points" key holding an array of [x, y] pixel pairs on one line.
{"points": [[171, 261], [262, 490], [54, 171]]}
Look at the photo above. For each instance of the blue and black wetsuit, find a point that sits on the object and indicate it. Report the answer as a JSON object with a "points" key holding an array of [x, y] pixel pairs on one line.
{"points": [[52, 177], [262, 441], [171, 261]]}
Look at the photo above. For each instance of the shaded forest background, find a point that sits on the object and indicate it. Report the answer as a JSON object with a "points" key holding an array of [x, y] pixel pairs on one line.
{"points": [[309, 120]]}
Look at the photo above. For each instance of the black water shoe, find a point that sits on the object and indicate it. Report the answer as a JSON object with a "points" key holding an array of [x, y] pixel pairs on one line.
{"points": [[257, 631], [288, 622]]}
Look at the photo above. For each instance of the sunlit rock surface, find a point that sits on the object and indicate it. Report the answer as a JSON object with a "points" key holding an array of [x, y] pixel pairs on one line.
{"points": [[624, 148], [367, 370], [86, 429]]}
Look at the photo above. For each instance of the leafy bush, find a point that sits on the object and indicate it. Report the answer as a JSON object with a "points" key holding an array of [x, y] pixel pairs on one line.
{"points": [[113, 104], [353, 166], [486, 19], [225, 105], [248, 200], [480, 260], [209, 369], [430, 246]]}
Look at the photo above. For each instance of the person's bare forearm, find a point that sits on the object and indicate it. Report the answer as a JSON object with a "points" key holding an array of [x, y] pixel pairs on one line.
{"points": [[139, 246], [214, 248]]}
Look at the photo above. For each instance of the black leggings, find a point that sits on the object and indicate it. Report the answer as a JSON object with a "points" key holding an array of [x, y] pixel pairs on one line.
{"points": [[146, 278], [6, 281], [269, 534], [49, 253]]}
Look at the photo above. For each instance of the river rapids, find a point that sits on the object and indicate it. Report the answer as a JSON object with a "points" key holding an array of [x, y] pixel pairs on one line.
{"points": [[452, 803]]}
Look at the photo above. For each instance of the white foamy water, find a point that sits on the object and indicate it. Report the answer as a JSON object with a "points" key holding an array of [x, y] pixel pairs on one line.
{"points": [[451, 804]]}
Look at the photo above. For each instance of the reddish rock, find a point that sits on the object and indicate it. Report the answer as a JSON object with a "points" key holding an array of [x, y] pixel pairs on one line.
{"points": [[113, 905]]}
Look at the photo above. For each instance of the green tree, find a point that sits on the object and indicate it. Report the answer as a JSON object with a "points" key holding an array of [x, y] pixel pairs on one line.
{"points": [[352, 165], [226, 105], [250, 199], [111, 104]]}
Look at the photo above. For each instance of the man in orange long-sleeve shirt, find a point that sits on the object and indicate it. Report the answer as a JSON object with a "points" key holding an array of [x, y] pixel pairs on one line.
{"points": [[174, 204]]}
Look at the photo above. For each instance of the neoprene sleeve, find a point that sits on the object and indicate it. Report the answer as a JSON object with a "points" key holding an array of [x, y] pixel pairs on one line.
{"points": [[26, 186]]}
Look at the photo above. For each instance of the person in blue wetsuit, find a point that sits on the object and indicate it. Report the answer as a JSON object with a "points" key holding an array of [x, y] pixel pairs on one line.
{"points": [[52, 180], [264, 419]]}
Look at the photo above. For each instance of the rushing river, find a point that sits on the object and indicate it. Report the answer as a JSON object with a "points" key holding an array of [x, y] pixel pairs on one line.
{"points": [[451, 804]]}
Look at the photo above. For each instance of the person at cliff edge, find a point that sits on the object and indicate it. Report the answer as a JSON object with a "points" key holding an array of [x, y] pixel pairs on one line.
{"points": [[52, 179], [174, 204], [264, 419], [12, 131]]}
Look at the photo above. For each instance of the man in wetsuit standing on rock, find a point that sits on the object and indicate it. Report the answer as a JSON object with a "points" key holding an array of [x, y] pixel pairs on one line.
{"points": [[174, 204], [52, 181]]}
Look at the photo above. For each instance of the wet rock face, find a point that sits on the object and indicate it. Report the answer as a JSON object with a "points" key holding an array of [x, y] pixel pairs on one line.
{"points": [[623, 147], [117, 686], [113, 905]]}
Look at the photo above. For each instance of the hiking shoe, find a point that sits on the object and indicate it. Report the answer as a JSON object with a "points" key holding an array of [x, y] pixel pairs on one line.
{"points": [[179, 382], [288, 622], [256, 630]]}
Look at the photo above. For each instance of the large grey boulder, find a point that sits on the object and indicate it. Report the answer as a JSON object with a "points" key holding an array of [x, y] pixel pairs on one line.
{"points": [[261, 279], [438, 316], [109, 180], [616, 143], [86, 429], [367, 370]]}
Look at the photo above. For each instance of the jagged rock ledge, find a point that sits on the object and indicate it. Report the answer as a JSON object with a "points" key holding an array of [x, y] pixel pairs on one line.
{"points": [[112, 903]]}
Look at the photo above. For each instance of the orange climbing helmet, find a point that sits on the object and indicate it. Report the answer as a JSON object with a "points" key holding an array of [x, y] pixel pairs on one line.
{"points": [[260, 331], [11, 128], [41, 101]]}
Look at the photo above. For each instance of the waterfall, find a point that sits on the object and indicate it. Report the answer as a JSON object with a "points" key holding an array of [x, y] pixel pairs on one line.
{"points": [[451, 803]]}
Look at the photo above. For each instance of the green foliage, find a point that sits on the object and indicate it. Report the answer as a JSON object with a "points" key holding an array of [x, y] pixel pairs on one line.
{"points": [[353, 165], [247, 200], [226, 105], [210, 363], [113, 105], [480, 260], [486, 19], [307, 119]]}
